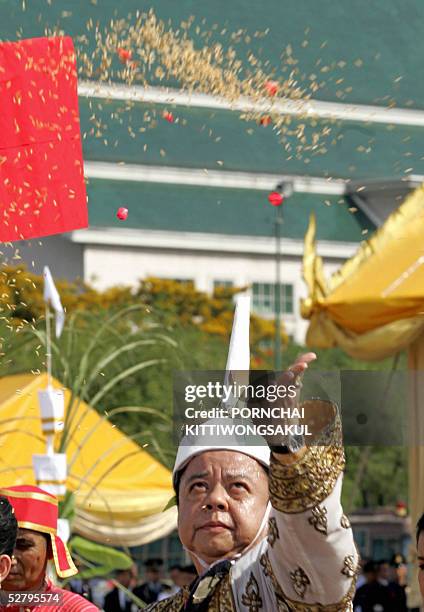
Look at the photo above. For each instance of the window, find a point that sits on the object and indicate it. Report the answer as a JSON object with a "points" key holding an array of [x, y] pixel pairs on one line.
{"points": [[361, 540], [169, 549], [384, 548], [222, 284], [184, 281], [264, 295]]}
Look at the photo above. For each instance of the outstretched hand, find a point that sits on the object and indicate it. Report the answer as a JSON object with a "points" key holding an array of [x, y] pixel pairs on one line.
{"points": [[290, 378], [292, 375], [301, 364]]}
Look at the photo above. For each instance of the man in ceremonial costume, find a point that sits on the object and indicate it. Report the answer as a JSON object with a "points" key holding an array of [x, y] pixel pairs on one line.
{"points": [[36, 512], [264, 526]]}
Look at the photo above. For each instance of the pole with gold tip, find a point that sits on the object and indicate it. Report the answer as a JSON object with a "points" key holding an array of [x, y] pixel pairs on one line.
{"points": [[51, 468]]}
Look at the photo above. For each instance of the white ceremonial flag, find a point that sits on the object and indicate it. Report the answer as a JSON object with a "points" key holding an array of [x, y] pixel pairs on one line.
{"points": [[51, 296]]}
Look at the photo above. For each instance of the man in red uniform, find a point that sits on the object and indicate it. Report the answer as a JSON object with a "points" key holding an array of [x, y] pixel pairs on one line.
{"points": [[37, 541]]}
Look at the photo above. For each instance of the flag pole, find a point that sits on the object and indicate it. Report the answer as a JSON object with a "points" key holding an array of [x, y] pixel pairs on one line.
{"points": [[49, 437], [48, 347], [51, 466]]}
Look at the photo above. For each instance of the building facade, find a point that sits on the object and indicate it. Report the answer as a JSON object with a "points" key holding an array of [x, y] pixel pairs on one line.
{"points": [[196, 187]]}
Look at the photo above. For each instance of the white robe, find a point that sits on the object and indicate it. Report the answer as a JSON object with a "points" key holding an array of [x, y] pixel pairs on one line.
{"points": [[310, 566]]}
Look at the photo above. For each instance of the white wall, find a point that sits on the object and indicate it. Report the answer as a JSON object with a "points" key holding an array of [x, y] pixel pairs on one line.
{"points": [[108, 265], [64, 258], [107, 258]]}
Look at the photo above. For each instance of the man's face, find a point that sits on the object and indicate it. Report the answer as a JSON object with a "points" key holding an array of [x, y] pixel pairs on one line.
{"points": [[176, 576], [401, 574], [384, 571], [371, 575], [421, 563], [152, 575], [29, 567], [125, 578], [222, 500]]}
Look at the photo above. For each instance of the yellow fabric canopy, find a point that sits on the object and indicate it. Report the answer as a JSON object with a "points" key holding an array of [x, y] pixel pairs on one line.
{"points": [[120, 490], [373, 306]]}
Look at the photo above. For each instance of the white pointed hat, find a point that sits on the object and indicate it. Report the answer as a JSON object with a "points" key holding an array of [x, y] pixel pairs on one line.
{"points": [[238, 364], [239, 351]]}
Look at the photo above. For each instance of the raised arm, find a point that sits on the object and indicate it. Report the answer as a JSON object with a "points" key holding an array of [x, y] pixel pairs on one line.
{"points": [[311, 556]]}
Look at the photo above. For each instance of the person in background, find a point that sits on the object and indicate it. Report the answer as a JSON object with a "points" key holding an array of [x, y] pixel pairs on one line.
{"points": [[397, 583], [361, 580], [400, 569], [177, 577], [8, 531], [189, 574], [175, 574], [80, 586], [420, 553], [372, 596], [383, 572], [36, 512], [150, 589], [99, 589], [117, 600]]}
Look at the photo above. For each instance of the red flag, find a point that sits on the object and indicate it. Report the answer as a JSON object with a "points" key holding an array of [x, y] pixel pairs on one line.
{"points": [[42, 189]]}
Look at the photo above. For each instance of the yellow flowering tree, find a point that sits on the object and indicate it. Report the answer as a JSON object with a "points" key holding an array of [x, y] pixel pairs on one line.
{"points": [[170, 302]]}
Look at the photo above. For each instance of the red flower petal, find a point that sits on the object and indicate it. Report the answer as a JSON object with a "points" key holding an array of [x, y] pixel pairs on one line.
{"points": [[124, 55], [271, 87], [168, 117], [122, 213], [265, 120]]}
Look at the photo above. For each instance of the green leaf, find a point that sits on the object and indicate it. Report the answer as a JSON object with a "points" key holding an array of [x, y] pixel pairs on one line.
{"points": [[95, 338], [67, 506], [172, 502], [121, 376], [94, 572], [92, 551], [101, 365]]}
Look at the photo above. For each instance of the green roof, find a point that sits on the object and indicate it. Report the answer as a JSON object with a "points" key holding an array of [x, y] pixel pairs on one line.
{"points": [[375, 47], [360, 52], [203, 138], [219, 211]]}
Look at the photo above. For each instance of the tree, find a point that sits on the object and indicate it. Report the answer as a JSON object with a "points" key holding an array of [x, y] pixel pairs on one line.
{"points": [[170, 303]]}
